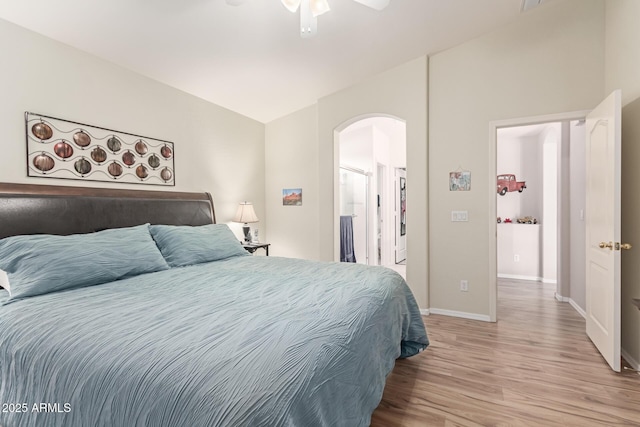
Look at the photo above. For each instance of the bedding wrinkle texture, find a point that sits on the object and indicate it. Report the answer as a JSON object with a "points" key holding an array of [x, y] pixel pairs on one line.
{"points": [[43, 263], [244, 341], [184, 245]]}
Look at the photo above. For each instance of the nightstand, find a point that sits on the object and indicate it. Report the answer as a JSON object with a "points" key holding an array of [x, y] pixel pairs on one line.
{"points": [[252, 247]]}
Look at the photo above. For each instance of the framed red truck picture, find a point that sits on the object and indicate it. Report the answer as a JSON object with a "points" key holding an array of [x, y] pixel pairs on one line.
{"points": [[508, 182]]}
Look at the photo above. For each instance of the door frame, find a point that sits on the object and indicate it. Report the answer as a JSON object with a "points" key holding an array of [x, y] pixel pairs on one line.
{"points": [[491, 185]]}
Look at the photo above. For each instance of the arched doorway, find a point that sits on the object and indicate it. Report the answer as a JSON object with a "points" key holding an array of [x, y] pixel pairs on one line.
{"points": [[370, 192]]}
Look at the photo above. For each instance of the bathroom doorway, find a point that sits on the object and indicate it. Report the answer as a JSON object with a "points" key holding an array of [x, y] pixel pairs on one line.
{"points": [[371, 152]]}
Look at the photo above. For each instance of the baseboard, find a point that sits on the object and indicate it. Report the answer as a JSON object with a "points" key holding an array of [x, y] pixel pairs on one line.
{"points": [[574, 304], [579, 309], [424, 311], [560, 297], [462, 314], [519, 277], [531, 278], [630, 360]]}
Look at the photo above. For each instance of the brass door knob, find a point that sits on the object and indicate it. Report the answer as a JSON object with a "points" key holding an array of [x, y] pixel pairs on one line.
{"points": [[606, 245], [626, 246]]}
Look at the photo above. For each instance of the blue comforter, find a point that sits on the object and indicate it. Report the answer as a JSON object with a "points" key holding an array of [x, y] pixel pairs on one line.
{"points": [[247, 341]]}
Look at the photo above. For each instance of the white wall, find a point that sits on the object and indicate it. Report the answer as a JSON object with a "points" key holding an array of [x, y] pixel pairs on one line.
{"points": [[622, 54], [621, 72], [550, 61], [216, 150], [520, 156], [356, 148], [291, 157]]}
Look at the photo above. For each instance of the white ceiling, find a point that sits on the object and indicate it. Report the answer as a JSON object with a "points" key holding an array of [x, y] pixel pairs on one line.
{"points": [[250, 58]]}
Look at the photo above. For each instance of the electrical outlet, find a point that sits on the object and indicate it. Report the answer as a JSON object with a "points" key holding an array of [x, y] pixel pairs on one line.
{"points": [[464, 286], [516, 258]]}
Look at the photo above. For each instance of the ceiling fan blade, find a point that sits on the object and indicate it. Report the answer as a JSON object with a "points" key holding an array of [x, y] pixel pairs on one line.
{"points": [[292, 5], [235, 2], [374, 4]]}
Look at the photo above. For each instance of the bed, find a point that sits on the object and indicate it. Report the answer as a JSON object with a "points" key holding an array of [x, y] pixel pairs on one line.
{"points": [[134, 308]]}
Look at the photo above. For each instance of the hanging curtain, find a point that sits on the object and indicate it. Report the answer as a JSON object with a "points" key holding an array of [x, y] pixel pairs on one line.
{"points": [[347, 253]]}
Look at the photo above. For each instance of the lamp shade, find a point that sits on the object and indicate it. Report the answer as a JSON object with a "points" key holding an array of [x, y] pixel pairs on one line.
{"points": [[245, 213]]}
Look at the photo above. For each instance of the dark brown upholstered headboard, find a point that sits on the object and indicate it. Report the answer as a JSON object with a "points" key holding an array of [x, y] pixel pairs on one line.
{"points": [[45, 209]]}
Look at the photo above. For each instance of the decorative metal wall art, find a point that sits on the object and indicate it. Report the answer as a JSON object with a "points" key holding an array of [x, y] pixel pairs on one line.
{"points": [[58, 148]]}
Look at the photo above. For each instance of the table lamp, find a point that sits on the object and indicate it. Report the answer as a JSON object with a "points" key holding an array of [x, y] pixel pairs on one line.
{"points": [[246, 215]]}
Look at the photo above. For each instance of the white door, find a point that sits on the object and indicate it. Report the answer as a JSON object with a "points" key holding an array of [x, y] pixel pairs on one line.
{"points": [[401, 215], [603, 228]]}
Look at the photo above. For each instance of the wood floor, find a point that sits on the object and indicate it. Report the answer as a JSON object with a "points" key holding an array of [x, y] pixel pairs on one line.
{"points": [[534, 367]]}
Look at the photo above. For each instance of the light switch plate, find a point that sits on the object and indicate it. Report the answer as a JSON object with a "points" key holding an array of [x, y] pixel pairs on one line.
{"points": [[459, 216]]}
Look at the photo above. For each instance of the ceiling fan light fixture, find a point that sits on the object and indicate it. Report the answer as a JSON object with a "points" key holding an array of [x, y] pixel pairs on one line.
{"points": [[308, 22], [318, 7], [292, 5]]}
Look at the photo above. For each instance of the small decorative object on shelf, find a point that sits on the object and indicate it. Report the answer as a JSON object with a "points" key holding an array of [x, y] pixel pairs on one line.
{"points": [[507, 220], [499, 220], [527, 220]]}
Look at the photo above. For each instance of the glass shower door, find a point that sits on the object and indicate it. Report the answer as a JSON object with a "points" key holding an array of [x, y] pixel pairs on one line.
{"points": [[354, 203]]}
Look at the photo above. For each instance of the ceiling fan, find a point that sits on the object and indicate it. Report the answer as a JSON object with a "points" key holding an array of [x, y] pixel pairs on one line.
{"points": [[311, 9]]}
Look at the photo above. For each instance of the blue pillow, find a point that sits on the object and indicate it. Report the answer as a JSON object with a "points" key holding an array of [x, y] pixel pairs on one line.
{"points": [[43, 263], [186, 245]]}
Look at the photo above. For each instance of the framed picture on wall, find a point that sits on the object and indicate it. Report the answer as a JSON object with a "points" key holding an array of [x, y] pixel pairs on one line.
{"points": [[460, 181], [292, 197]]}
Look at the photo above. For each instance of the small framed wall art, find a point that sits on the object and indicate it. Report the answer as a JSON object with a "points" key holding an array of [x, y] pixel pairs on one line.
{"points": [[292, 197], [58, 148], [460, 180]]}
